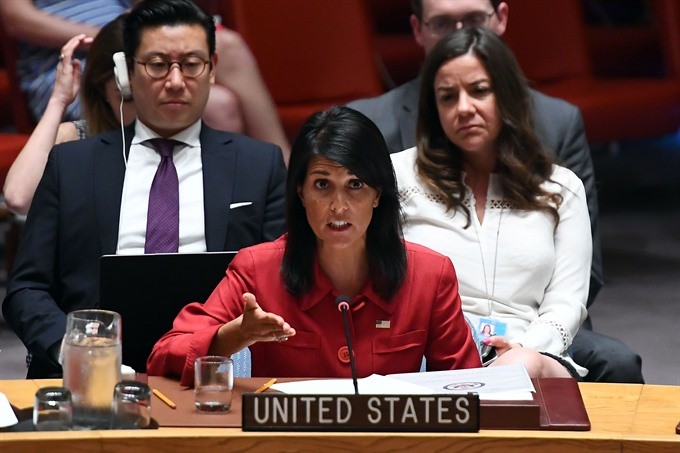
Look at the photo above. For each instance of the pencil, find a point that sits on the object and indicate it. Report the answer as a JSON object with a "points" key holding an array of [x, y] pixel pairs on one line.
{"points": [[164, 398], [266, 385]]}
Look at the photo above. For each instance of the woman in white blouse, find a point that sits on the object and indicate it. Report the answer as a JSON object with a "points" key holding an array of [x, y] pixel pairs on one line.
{"points": [[479, 188]]}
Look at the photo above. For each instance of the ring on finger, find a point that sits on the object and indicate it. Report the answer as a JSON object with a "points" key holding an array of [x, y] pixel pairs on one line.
{"points": [[61, 57], [282, 339]]}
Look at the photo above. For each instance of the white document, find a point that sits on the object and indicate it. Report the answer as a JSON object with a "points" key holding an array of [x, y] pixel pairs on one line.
{"points": [[503, 382], [506, 382], [371, 385], [7, 417]]}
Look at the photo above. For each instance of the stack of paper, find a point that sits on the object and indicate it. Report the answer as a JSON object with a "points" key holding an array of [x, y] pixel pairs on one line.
{"points": [[374, 384], [506, 382], [503, 382]]}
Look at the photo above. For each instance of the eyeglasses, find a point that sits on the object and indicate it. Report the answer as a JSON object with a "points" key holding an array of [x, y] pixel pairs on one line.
{"points": [[157, 68], [443, 25]]}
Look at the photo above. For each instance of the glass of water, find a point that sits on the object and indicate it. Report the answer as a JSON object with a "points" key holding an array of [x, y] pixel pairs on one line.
{"points": [[52, 409], [131, 405], [213, 382]]}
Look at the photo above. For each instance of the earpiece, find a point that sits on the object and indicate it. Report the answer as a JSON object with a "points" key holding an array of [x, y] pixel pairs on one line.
{"points": [[120, 74]]}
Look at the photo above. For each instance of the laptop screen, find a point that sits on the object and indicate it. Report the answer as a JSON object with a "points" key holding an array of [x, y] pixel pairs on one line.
{"points": [[150, 290]]}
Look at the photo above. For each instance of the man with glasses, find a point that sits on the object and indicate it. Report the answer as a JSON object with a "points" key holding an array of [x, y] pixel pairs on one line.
{"points": [[395, 112], [559, 126], [168, 184]]}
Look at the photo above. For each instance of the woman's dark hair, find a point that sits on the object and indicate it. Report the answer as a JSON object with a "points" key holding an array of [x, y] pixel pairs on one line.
{"points": [[98, 72], [155, 13], [349, 138], [522, 165]]}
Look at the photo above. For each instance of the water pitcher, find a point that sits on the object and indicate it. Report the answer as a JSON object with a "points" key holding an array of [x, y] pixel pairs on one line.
{"points": [[91, 360]]}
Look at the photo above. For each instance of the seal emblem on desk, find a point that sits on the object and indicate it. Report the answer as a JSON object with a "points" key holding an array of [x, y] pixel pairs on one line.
{"points": [[464, 386]]}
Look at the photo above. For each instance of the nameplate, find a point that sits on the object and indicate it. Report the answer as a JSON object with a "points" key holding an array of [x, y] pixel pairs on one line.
{"points": [[415, 413]]}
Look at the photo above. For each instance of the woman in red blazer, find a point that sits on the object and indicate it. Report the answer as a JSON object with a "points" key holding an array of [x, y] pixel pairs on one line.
{"points": [[344, 239]]}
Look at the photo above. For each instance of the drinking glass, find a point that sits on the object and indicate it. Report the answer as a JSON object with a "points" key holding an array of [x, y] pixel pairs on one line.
{"points": [[52, 409], [91, 363], [213, 381], [131, 405]]}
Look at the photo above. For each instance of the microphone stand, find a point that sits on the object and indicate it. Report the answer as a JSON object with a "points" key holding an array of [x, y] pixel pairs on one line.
{"points": [[343, 306]]}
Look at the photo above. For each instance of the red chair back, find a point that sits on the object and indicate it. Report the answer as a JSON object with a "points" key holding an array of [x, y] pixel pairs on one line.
{"points": [[549, 41], [18, 106], [311, 53]]}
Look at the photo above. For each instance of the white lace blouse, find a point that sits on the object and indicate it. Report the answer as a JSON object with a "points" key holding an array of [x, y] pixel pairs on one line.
{"points": [[515, 267]]}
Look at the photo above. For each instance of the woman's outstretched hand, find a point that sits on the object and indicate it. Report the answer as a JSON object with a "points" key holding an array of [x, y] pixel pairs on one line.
{"points": [[259, 325]]}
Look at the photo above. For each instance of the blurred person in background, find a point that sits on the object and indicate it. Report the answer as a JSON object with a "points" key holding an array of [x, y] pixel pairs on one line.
{"points": [[171, 185], [558, 126], [479, 188]]}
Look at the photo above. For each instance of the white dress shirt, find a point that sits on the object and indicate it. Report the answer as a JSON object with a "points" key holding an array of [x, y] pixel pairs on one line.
{"points": [[515, 267], [142, 163]]}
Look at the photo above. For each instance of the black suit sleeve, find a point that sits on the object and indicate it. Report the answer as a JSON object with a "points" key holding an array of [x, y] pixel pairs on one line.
{"points": [[575, 155], [30, 306], [274, 223]]}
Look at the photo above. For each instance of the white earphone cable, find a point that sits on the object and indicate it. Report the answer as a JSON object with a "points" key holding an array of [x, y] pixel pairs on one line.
{"points": [[122, 129]]}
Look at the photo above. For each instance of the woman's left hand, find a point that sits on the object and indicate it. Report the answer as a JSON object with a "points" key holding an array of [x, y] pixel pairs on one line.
{"points": [[69, 71], [501, 344]]}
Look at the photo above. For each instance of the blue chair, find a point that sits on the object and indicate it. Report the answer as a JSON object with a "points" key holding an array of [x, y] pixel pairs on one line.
{"points": [[242, 363]]}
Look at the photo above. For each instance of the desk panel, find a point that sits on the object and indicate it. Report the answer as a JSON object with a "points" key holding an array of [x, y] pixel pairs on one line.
{"points": [[20, 392], [193, 440], [611, 407], [653, 426], [658, 411], [52, 442], [624, 417]]}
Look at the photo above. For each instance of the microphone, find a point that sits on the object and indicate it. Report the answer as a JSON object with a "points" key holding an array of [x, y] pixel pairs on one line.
{"points": [[342, 302]]}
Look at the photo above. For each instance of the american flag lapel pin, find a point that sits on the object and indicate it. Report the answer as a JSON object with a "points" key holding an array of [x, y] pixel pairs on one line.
{"points": [[382, 324]]}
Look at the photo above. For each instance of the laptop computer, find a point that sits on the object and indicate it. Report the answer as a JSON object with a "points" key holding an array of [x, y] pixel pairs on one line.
{"points": [[150, 290]]}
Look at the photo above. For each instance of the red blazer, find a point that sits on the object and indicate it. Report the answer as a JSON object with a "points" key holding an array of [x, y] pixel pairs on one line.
{"points": [[424, 318]]}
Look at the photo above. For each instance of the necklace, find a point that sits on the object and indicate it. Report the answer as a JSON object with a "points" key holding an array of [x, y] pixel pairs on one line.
{"points": [[489, 297]]}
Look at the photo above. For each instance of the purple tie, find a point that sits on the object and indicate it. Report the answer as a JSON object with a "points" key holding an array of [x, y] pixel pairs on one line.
{"points": [[162, 221]]}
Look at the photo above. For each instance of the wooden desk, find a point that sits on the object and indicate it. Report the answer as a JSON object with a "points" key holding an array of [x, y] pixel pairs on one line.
{"points": [[624, 417]]}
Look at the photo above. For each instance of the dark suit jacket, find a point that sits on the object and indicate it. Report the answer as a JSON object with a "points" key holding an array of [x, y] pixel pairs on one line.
{"points": [[558, 124], [74, 218]]}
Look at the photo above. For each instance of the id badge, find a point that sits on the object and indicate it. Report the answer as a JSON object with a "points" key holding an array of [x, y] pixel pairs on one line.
{"points": [[487, 327]]}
